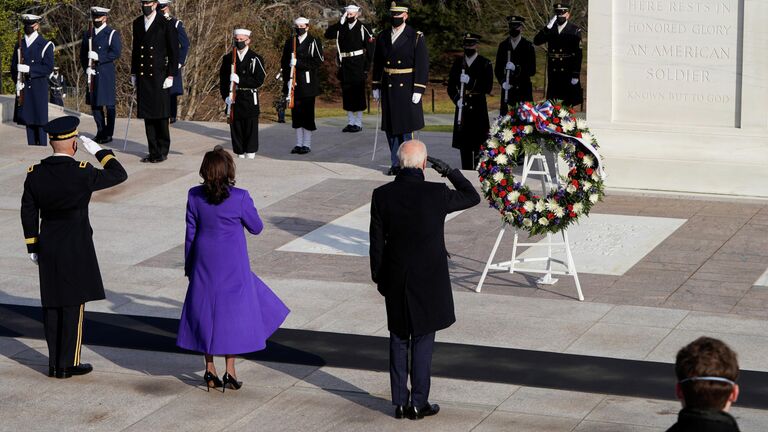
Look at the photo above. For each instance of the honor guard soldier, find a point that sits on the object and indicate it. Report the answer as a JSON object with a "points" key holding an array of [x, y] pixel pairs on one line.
{"points": [[515, 65], [31, 65], [248, 76], [354, 43], [564, 56], [178, 87], [400, 73], [469, 80], [99, 51], [57, 84], [154, 63], [54, 215], [302, 57]]}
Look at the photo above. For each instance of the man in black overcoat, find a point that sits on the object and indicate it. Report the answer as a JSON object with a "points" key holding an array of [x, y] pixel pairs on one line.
{"points": [[54, 216], [154, 62], [564, 56], [409, 265], [515, 65], [469, 80]]}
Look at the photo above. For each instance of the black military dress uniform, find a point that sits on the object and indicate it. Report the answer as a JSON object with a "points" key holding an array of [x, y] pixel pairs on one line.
{"points": [[56, 84], [54, 216], [155, 57], [245, 127], [309, 58], [522, 54], [564, 57]]}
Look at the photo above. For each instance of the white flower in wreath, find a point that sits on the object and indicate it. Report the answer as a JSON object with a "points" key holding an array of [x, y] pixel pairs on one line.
{"points": [[595, 177], [563, 113], [587, 137], [527, 223], [501, 159], [543, 221], [511, 149], [594, 198], [555, 208], [528, 130], [498, 177], [581, 123], [568, 126], [540, 206], [493, 143], [513, 196], [528, 206], [588, 160], [586, 185], [578, 208], [508, 135], [494, 129], [570, 189]]}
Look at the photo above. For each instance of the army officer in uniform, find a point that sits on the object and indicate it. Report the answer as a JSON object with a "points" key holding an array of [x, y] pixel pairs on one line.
{"points": [[515, 65], [54, 216], [564, 56]]}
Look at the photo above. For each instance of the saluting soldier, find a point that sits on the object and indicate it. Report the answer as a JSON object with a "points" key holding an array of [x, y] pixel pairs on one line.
{"points": [[470, 124], [248, 77], [99, 64], [307, 61], [56, 84], [515, 65], [54, 215], [31, 73], [564, 56], [154, 63], [178, 87], [400, 73], [354, 43]]}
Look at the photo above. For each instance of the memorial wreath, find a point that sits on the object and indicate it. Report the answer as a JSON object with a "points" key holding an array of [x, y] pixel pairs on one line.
{"points": [[529, 130]]}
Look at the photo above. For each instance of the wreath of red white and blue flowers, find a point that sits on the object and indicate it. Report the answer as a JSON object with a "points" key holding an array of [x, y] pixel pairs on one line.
{"points": [[527, 131]]}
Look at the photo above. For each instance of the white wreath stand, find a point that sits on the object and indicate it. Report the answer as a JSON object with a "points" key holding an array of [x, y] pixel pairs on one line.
{"points": [[512, 265]]}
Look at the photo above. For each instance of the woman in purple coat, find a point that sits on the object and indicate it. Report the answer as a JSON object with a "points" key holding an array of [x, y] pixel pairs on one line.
{"points": [[228, 309]]}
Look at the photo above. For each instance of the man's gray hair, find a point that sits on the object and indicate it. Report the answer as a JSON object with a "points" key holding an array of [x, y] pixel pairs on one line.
{"points": [[412, 154]]}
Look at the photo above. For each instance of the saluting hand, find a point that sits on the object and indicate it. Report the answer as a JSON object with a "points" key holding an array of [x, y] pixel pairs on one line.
{"points": [[90, 145], [440, 166], [552, 22]]}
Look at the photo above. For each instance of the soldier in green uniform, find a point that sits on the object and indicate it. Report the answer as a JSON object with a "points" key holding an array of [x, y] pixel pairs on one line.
{"points": [[54, 215]]}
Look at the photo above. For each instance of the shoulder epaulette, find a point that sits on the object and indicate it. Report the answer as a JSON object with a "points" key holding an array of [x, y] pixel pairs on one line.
{"points": [[83, 164]]}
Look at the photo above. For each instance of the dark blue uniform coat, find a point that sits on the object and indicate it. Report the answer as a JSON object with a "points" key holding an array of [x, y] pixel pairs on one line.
{"points": [[39, 58], [107, 44], [178, 87]]}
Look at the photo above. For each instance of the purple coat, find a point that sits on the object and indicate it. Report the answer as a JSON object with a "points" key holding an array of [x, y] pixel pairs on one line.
{"points": [[228, 309]]}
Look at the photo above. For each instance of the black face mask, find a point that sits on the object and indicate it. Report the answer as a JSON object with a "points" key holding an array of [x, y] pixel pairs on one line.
{"points": [[29, 29], [300, 31], [97, 24], [351, 20], [147, 10], [514, 31], [240, 45], [397, 21], [469, 52], [561, 19]]}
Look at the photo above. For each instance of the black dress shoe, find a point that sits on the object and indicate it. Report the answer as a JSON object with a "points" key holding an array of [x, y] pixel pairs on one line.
{"points": [[399, 412], [104, 140], [173, 120], [348, 128], [81, 369], [159, 159], [414, 413], [147, 159], [356, 128], [296, 149], [62, 373], [305, 150]]}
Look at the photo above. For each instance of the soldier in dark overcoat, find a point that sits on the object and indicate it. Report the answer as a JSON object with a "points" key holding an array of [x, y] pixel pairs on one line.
{"points": [[515, 65], [248, 77], [355, 44], [475, 72], [178, 85], [309, 57], [57, 86], [99, 64], [57, 229], [32, 88], [154, 63], [400, 73], [409, 265], [564, 57]]}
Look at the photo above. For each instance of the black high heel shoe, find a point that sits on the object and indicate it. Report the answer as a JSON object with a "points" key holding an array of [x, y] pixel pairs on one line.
{"points": [[228, 379], [212, 380]]}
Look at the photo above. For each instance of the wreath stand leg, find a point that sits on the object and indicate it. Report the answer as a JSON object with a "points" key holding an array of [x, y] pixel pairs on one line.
{"points": [[547, 279]]}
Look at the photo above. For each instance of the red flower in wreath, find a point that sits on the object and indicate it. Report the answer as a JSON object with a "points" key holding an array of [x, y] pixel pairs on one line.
{"points": [[590, 171], [502, 194], [503, 182], [575, 183], [572, 214], [522, 199], [580, 155], [550, 216]]}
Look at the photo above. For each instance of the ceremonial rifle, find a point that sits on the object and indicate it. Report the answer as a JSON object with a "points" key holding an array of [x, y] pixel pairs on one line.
{"points": [[461, 93], [232, 88], [91, 30], [292, 81], [506, 80], [19, 74]]}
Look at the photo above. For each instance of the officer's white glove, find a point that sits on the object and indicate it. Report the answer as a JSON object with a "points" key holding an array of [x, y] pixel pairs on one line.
{"points": [[93, 55], [20, 86], [168, 83], [23, 68], [416, 98], [376, 94], [90, 71], [228, 101], [293, 62], [464, 78], [460, 102], [181, 65], [552, 22], [506, 86], [574, 81], [234, 78], [33, 257], [510, 66], [133, 80], [90, 145], [64, 95], [343, 18]]}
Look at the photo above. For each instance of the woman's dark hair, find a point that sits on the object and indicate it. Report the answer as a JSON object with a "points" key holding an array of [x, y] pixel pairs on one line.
{"points": [[218, 173]]}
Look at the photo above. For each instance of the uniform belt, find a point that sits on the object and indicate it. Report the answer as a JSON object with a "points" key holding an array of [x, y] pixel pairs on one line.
{"points": [[52, 215], [246, 89], [352, 54], [393, 71], [559, 56]]}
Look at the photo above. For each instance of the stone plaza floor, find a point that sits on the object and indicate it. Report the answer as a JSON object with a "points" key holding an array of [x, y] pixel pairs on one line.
{"points": [[657, 271]]}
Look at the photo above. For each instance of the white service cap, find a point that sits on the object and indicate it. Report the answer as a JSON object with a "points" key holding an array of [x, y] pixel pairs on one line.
{"points": [[164, 2], [100, 10], [301, 20], [242, 32], [31, 18], [352, 8]]}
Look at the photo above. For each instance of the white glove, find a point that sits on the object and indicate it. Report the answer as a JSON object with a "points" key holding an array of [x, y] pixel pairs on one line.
{"points": [[464, 78], [506, 86], [510, 66], [20, 86], [416, 98], [228, 101], [90, 145], [89, 71], [343, 18], [93, 55], [574, 81], [234, 78], [181, 65], [33, 257], [133, 80], [376, 94], [64, 95], [552, 22], [460, 102], [168, 83], [23, 68], [293, 62]]}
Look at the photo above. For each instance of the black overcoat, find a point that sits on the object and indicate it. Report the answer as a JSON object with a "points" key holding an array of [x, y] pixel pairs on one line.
{"points": [[473, 130], [399, 115], [251, 72], [54, 215], [409, 261], [564, 57], [154, 58], [524, 58]]}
